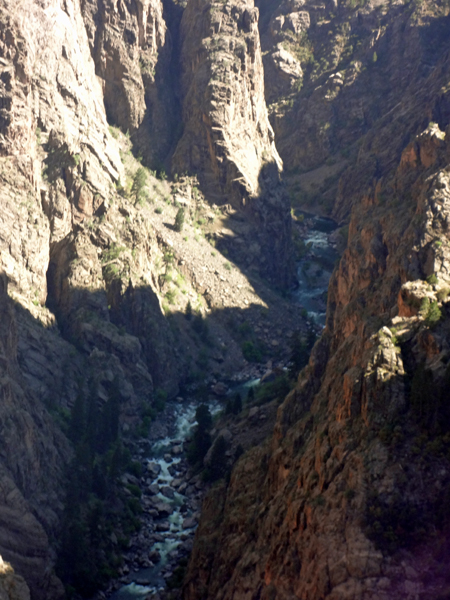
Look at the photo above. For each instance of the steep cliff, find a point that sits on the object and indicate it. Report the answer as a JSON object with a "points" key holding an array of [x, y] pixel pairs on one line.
{"points": [[135, 58], [227, 138], [349, 499], [32, 462], [92, 269]]}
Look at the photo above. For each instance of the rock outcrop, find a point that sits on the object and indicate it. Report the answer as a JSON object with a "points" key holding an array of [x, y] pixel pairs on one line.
{"points": [[227, 138], [34, 453], [340, 503], [351, 71], [12, 586], [134, 57]]}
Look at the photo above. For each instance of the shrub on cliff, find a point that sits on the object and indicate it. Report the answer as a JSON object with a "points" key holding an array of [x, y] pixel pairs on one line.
{"points": [[139, 183], [217, 467], [179, 220]]}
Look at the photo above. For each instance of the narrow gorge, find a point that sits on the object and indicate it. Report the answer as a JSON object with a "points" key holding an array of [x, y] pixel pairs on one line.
{"points": [[179, 181]]}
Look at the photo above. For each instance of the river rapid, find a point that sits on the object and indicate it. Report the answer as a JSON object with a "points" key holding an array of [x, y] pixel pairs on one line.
{"points": [[171, 493]]}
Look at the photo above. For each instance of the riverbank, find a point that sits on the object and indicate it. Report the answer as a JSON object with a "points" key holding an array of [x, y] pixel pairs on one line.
{"points": [[171, 493]]}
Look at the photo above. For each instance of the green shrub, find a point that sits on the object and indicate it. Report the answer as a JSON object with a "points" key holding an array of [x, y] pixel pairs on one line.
{"points": [[201, 440], [273, 390], [443, 294], [179, 219], [160, 398], [139, 183], [218, 465], [251, 352], [135, 490], [171, 296], [433, 314]]}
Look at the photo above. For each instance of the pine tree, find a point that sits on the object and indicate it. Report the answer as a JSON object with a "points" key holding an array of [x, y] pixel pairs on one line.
{"points": [[179, 219], [139, 183]]}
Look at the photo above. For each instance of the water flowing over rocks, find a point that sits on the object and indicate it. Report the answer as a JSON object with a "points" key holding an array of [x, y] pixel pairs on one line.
{"points": [[101, 296]]}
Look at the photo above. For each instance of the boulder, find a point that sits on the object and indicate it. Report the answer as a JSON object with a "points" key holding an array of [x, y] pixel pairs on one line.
{"points": [[167, 491], [189, 523], [164, 509], [154, 469]]}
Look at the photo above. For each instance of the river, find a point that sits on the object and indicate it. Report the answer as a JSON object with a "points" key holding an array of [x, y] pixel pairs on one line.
{"points": [[315, 267], [171, 496]]}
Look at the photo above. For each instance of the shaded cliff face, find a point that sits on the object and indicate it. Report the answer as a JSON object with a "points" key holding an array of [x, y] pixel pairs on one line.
{"points": [[227, 138], [34, 453], [341, 501]]}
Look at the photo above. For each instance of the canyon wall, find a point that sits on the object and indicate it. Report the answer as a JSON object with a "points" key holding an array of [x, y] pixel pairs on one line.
{"points": [[349, 499], [227, 138], [86, 266], [358, 101]]}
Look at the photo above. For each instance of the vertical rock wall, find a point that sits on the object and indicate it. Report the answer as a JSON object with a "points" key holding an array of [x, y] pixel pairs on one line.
{"points": [[227, 138], [340, 503]]}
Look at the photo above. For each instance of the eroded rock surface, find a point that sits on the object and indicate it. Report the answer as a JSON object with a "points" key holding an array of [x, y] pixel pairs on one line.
{"points": [[340, 502], [227, 138]]}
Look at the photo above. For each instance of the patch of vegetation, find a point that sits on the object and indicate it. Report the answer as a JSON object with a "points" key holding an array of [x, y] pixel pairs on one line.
{"points": [[430, 311], [139, 184], [251, 351], [300, 350], [201, 440], [171, 296], [217, 467], [234, 405], [277, 389], [114, 132], [95, 503], [179, 220]]}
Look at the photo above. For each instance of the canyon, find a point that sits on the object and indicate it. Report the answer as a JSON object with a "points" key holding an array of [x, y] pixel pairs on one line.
{"points": [[118, 120]]}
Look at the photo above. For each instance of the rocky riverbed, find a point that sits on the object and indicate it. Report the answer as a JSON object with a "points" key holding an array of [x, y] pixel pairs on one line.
{"points": [[171, 498], [171, 493]]}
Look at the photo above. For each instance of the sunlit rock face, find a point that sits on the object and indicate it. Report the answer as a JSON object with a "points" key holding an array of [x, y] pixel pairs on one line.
{"points": [[12, 586], [227, 138], [340, 502]]}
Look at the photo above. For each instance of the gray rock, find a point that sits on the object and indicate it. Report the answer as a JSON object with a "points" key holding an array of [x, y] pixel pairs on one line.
{"points": [[154, 556], [167, 492], [154, 469], [163, 526], [189, 523], [153, 489], [164, 509]]}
